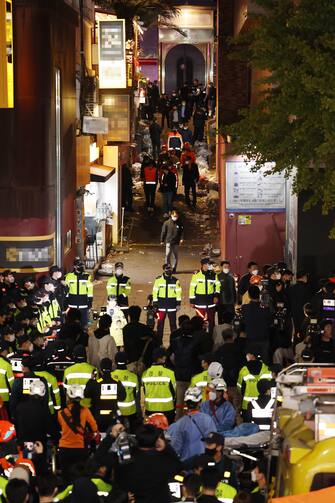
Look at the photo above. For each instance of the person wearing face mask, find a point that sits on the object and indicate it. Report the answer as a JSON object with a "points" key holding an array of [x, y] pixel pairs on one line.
{"points": [[259, 478], [119, 286], [118, 321], [186, 134], [172, 235], [218, 406], [244, 282], [166, 295], [227, 296], [7, 335], [204, 288], [188, 432], [80, 294]]}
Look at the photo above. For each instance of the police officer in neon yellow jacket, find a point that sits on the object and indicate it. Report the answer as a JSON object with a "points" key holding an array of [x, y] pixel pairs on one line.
{"points": [[249, 375], [81, 371], [119, 286], [159, 385], [166, 295], [80, 294], [204, 288]]}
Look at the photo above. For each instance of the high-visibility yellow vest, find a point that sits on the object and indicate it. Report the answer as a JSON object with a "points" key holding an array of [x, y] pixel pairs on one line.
{"points": [[225, 492], [53, 390], [130, 382], [6, 378], [80, 292], [159, 389], [167, 293], [202, 289], [118, 285], [79, 373], [251, 380], [201, 381]]}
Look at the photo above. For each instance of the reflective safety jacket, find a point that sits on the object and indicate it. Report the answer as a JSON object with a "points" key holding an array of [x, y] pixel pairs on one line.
{"points": [[80, 294], [150, 175], [104, 394], [6, 378], [201, 381], [79, 373], [262, 414], [103, 490], [250, 381], [166, 293], [119, 287], [44, 320], [203, 287], [225, 492], [130, 383], [159, 385], [54, 310], [53, 390]]}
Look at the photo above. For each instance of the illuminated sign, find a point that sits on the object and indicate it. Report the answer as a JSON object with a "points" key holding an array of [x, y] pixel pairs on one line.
{"points": [[112, 54], [6, 55]]}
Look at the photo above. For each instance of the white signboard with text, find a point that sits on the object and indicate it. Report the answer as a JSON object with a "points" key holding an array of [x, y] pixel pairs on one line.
{"points": [[253, 191], [112, 54]]}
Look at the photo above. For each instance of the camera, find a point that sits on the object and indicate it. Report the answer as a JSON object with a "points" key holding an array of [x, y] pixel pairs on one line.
{"points": [[280, 315], [237, 321], [123, 446], [313, 329]]}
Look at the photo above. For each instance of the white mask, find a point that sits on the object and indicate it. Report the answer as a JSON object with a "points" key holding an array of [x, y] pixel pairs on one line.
{"points": [[11, 338], [226, 270], [253, 476], [212, 395], [254, 272], [119, 272], [174, 219], [248, 358], [278, 276]]}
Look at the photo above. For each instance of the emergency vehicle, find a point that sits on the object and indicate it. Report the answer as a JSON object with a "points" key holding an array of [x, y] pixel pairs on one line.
{"points": [[303, 431]]}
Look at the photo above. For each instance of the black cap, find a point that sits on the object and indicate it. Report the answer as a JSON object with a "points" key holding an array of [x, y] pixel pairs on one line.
{"points": [[118, 264], [121, 358], [202, 461], [106, 364], [159, 353], [46, 280], [146, 435], [205, 260], [214, 438]]}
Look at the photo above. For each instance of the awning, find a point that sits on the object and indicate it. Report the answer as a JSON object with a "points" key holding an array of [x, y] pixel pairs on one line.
{"points": [[323, 496], [101, 173]]}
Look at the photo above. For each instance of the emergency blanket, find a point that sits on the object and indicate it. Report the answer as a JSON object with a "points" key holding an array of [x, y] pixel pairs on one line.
{"points": [[255, 440], [323, 496]]}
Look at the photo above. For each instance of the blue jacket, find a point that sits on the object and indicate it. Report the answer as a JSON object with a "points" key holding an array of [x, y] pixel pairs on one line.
{"points": [[187, 432], [223, 416]]}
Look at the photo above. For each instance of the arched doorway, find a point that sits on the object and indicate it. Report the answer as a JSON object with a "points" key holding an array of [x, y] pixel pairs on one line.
{"points": [[183, 64]]}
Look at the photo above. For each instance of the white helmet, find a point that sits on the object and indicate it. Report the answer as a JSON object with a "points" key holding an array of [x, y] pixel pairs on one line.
{"points": [[219, 384], [75, 391], [215, 370], [37, 388], [193, 394]]}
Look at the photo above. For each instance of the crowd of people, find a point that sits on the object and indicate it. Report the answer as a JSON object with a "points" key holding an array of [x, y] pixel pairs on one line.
{"points": [[167, 163], [123, 411]]}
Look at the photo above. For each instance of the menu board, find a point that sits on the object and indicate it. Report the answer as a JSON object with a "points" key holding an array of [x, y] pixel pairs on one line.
{"points": [[253, 191]]}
